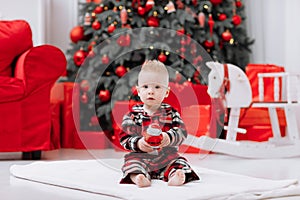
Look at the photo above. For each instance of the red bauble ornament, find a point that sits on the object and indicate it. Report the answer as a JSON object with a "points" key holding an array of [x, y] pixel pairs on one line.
{"points": [[183, 41], [178, 77], [79, 57], [124, 40], [153, 21], [238, 4], [141, 11], [127, 40], [216, 2], [98, 9], [162, 57], [111, 28], [226, 36], [94, 120], [121, 40], [179, 4], [96, 25], [77, 33], [91, 45], [84, 98], [104, 95], [105, 59], [222, 17], [120, 71], [149, 5], [236, 20], [195, 2], [84, 85], [91, 54], [197, 60], [209, 43]]}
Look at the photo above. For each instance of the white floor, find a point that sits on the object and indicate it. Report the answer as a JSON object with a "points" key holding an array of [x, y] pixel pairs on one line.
{"points": [[12, 189]]}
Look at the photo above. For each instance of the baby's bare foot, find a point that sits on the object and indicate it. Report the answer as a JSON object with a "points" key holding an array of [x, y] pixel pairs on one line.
{"points": [[140, 180], [177, 178]]}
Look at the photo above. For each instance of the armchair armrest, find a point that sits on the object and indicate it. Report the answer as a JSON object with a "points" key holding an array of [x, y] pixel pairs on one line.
{"points": [[39, 67]]}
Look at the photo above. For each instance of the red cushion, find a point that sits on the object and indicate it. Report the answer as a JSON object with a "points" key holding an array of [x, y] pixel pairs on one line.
{"points": [[15, 38]]}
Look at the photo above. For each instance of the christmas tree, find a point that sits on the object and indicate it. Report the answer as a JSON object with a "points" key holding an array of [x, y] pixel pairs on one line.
{"points": [[114, 37]]}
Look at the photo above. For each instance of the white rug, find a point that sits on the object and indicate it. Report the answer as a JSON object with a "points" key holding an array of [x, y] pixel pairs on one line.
{"points": [[96, 176]]}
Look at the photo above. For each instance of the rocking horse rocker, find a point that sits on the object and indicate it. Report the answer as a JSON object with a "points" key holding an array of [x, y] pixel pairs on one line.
{"points": [[239, 95]]}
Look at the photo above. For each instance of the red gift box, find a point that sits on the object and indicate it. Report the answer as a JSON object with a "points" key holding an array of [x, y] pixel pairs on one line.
{"points": [[260, 116], [187, 95], [56, 100], [55, 124], [67, 93], [258, 125], [253, 69], [197, 121], [119, 110], [258, 133], [69, 131], [90, 140]]}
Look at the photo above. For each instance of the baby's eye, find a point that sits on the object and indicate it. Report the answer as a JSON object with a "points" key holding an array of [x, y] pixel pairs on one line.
{"points": [[157, 87], [145, 86]]}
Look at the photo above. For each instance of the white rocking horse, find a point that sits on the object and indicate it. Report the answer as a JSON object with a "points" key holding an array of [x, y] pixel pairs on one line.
{"points": [[239, 95]]}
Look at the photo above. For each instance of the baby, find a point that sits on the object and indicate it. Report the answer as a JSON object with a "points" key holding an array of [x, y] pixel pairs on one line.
{"points": [[145, 161]]}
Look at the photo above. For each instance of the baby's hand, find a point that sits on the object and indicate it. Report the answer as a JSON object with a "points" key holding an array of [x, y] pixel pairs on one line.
{"points": [[144, 146], [165, 141]]}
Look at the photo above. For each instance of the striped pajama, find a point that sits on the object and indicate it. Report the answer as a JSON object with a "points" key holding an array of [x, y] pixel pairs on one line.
{"points": [[159, 164]]}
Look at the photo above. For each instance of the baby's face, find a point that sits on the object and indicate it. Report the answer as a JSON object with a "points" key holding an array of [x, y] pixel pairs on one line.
{"points": [[152, 88]]}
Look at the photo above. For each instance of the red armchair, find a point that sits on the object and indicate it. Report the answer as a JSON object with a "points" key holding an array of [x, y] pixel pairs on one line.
{"points": [[27, 74]]}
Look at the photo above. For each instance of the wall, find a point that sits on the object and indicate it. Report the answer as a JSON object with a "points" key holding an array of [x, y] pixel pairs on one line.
{"points": [[273, 24], [50, 20], [61, 18], [34, 14]]}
